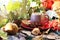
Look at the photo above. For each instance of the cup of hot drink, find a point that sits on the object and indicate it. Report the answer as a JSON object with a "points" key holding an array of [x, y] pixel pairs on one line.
{"points": [[35, 18]]}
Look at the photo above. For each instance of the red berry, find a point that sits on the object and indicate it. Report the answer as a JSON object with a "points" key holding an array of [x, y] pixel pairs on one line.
{"points": [[47, 3]]}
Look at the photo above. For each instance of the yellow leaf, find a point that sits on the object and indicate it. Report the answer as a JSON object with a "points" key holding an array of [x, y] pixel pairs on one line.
{"points": [[13, 6]]}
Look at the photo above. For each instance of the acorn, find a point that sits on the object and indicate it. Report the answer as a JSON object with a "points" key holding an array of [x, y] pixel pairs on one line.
{"points": [[36, 31]]}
